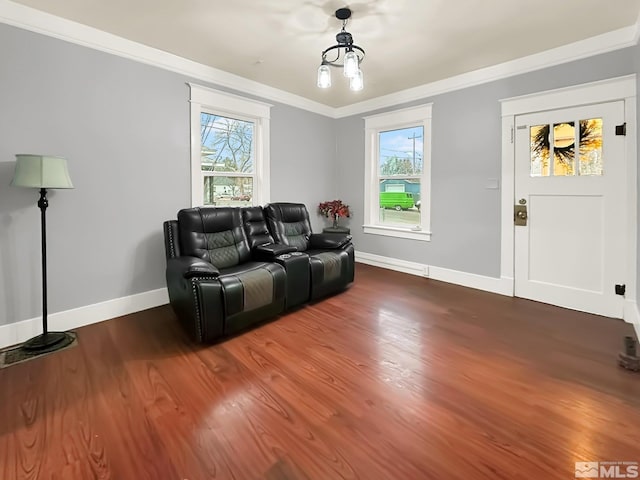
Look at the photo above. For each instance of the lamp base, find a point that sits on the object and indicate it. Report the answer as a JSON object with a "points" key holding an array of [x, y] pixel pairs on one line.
{"points": [[47, 342]]}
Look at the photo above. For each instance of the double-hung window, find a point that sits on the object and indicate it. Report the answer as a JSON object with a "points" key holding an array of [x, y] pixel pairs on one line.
{"points": [[229, 149], [397, 173]]}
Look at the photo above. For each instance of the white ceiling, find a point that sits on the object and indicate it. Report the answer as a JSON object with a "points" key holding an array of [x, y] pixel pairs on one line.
{"points": [[408, 42]]}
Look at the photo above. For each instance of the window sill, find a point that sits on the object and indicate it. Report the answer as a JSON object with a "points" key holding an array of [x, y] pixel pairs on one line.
{"points": [[397, 232]]}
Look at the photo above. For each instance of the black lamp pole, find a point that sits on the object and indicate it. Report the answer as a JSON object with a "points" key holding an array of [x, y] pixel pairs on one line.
{"points": [[43, 203], [47, 341]]}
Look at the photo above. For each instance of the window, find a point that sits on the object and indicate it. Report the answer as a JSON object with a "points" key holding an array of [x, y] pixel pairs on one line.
{"points": [[397, 155], [229, 149]]}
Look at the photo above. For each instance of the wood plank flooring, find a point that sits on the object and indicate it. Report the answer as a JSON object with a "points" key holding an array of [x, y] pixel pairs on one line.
{"points": [[399, 377]]}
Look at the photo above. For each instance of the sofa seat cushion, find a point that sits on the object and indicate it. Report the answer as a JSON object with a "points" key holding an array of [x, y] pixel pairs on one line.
{"points": [[328, 266], [331, 264], [251, 286]]}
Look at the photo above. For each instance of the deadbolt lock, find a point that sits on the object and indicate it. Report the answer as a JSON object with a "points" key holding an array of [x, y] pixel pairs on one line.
{"points": [[520, 215]]}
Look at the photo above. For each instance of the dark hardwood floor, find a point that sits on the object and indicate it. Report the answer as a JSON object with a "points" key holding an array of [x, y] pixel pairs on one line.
{"points": [[399, 377]]}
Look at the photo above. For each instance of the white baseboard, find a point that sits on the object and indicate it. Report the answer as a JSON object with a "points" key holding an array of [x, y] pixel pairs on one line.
{"points": [[502, 286], [79, 317], [403, 266]]}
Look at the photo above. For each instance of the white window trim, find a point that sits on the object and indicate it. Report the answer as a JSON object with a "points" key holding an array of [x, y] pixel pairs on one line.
{"points": [[208, 100], [406, 117]]}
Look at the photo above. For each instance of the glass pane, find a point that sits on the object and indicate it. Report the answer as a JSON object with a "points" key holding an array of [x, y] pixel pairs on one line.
{"points": [[400, 201], [591, 146], [226, 144], [228, 191], [539, 135], [564, 151], [400, 151]]}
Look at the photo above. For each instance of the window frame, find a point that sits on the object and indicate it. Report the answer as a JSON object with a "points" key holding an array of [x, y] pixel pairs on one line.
{"points": [[383, 122], [215, 102]]}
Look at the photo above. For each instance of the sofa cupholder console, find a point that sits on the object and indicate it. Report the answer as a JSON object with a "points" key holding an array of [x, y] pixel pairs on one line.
{"points": [[296, 265]]}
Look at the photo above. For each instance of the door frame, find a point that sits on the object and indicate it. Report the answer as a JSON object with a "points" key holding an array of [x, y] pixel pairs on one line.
{"points": [[619, 88]]}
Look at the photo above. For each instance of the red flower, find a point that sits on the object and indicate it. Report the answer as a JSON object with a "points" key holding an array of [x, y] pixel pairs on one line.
{"points": [[334, 208]]}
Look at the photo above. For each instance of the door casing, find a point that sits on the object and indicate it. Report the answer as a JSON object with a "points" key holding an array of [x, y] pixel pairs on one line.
{"points": [[619, 88]]}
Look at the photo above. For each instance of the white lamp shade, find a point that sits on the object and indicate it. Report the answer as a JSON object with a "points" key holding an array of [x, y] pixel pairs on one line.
{"points": [[350, 64], [324, 76], [356, 83], [39, 171]]}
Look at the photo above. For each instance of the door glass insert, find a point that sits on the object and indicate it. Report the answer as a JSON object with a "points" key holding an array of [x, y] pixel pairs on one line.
{"points": [[560, 142], [539, 135], [564, 151], [591, 146]]}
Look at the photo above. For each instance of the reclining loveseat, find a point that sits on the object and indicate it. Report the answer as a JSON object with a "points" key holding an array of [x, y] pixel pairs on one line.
{"points": [[231, 267]]}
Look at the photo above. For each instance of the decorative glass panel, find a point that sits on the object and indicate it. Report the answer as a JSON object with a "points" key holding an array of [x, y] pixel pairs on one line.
{"points": [[591, 147], [539, 135], [223, 191], [226, 144], [564, 151]]}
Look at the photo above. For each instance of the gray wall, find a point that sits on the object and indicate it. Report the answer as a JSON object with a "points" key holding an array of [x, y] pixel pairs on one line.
{"points": [[124, 128], [466, 152], [303, 149]]}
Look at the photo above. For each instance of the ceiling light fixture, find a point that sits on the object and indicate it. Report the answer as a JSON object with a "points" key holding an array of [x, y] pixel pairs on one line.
{"points": [[347, 55]]}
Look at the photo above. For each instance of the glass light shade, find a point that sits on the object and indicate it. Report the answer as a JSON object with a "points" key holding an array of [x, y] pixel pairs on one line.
{"points": [[324, 76], [356, 83], [40, 171], [351, 66]]}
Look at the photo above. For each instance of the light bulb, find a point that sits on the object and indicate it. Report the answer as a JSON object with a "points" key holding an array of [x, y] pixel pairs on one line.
{"points": [[324, 76], [350, 64], [356, 83]]}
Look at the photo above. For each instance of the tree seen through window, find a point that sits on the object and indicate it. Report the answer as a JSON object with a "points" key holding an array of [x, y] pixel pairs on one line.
{"points": [[227, 156]]}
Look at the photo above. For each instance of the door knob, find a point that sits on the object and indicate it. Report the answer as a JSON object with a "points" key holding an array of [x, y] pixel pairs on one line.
{"points": [[520, 215]]}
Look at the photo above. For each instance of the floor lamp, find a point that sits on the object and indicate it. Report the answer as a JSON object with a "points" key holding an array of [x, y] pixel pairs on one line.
{"points": [[43, 172]]}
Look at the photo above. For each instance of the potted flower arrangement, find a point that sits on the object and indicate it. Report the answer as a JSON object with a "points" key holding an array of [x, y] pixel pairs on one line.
{"points": [[334, 210]]}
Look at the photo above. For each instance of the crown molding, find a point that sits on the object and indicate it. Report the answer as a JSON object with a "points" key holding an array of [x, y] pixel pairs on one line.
{"points": [[44, 23], [37, 21], [607, 42], [636, 35]]}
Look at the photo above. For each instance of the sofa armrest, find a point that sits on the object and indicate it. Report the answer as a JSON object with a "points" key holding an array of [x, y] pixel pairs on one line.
{"points": [[269, 251], [190, 267], [328, 240]]}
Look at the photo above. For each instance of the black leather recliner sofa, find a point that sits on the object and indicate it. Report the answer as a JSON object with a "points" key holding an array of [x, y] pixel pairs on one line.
{"points": [[231, 267]]}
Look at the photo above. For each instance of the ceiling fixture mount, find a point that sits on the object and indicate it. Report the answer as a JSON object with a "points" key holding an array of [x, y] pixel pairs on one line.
{"points": [[344, 54]]}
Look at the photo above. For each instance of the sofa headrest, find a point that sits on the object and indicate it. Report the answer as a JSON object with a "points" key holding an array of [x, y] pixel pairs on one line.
{"points": [[214, 234]]}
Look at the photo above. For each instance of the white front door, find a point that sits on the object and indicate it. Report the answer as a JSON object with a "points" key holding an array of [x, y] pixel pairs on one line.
{"points": [[570, 175]]}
